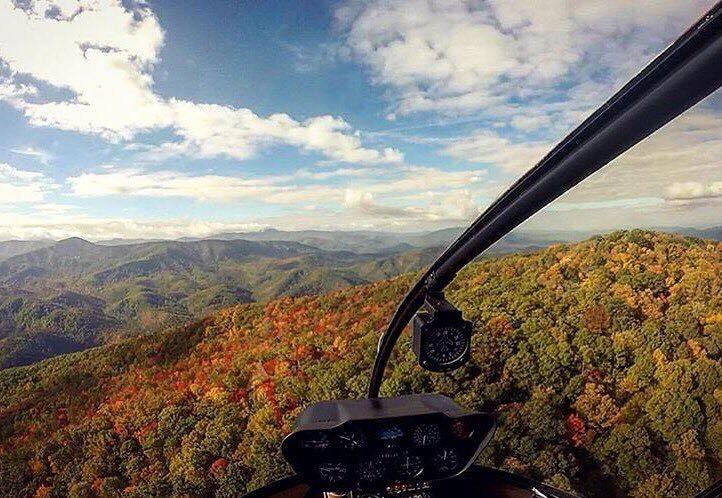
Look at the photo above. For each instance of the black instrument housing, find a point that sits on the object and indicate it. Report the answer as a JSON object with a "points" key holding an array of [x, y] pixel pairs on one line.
{"points": [[439, 313], [326, 423]]}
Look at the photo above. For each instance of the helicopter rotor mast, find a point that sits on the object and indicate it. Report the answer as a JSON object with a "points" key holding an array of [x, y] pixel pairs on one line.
{"points": [[684, 74]]}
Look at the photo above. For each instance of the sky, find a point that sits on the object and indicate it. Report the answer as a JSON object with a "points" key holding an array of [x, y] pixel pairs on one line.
{"points": [[167, 119]]}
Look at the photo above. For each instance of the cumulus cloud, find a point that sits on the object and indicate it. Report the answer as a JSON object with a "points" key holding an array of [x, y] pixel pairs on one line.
{"points": [[530, 74], [359, 198], [12, 92], [490, 148], [464, 56], [677, 167], [447, 207], [217, 188], [43, 156], [58, 225], [103, 55], [20, 186], [298, 187], [361, 201], [685, 191], [210, 130]]}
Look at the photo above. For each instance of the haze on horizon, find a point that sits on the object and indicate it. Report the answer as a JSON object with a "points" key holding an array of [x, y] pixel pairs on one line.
{"points": [[164, 119]]}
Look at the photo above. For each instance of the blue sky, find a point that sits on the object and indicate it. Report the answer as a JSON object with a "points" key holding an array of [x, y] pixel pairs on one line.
{"points": [[170, 119]]}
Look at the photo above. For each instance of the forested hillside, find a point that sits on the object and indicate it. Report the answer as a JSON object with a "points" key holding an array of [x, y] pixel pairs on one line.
{"points": [[74, 294], [601, 360]]}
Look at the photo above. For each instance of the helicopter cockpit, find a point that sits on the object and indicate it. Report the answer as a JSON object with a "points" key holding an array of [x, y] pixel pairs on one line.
{"points": [[425, 445]]}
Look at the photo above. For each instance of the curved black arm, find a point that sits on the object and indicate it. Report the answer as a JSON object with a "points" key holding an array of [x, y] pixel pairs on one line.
{"points": [[685, 73]]}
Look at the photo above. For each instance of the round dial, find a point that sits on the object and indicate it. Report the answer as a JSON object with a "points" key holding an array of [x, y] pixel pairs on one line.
{"points": [[332, 472], [371, 470], [445, 460], [409, 466], [426, 435], [352, 440], [315, 441], [445, 344], [389, 433]]}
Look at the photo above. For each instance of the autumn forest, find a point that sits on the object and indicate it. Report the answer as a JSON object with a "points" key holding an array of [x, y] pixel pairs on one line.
{"points": [[601, 359]]}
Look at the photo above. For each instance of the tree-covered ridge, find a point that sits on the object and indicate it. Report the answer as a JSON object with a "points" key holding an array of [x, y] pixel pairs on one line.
{"points": [[34, 326], [602, 360], [74, 294]]}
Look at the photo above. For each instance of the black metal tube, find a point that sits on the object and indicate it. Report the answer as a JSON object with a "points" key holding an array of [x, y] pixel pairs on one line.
{"points": [[685, 73]]}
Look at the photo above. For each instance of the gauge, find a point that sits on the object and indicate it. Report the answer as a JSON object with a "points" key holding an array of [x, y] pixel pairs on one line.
{"points": [[315, 441], [446, 344], [409, 466], [445, 460], [332, 472], [389, 433], [352, 439], [370, 471], [426, 435], [441, 336]]}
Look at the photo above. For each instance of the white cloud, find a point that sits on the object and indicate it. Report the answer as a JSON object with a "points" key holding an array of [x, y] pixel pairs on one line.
{"points": [[456, 206], [672, 177], [19, 186], [103, 54], [12, 92], [210, 130], [59, 225], [406, 181], [359, 198], [422, 179], [530, 123], [694, 190], [489, 148], [165, 184], [43, 156], [687, 150], [463, 56]]}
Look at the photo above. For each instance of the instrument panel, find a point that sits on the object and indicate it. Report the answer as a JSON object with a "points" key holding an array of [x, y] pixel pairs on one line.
{"points": [[475, 482], [369, 444]]}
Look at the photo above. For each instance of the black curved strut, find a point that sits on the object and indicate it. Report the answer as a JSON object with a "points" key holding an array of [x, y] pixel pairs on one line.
{"points": [[685, 73]]}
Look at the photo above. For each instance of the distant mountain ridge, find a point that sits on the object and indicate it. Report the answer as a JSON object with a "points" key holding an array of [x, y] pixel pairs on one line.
{"points": [[76, 256], [10, 248], [147, 285], [362, 241], [150, 285]]}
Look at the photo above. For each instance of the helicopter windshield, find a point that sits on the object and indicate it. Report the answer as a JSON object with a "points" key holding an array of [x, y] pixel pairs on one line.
{"points": [[215, 212], [596, 332]]}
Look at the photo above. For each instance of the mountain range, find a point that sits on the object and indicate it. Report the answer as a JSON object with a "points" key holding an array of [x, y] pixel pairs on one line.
{"points": [[57, 297], [73, 294]]}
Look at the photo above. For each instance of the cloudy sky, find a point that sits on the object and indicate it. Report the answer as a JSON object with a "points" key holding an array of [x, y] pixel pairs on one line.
{"points": [[169, 119]]}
